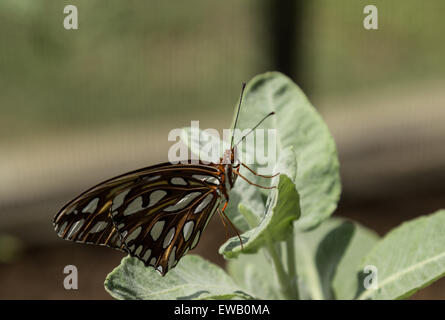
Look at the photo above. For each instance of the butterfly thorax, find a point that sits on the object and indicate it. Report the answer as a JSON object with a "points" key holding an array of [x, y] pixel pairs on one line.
{"points": [[229, 162]]}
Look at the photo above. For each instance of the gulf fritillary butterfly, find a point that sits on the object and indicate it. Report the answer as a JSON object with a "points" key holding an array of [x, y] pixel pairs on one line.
{"points": [[157, 213]]}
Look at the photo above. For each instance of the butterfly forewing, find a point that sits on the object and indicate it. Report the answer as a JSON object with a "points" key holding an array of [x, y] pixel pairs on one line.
{"points": [[156, 214]]}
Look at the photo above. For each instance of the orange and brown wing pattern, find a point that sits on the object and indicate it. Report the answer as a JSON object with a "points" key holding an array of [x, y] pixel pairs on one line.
{"points": [[168, 226], [156, 214]]}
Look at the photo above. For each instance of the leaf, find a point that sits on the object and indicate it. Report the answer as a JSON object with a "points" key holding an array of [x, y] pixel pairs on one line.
{"points": [[254, 273], [193, 278], [276, 224], [408, 258], [282, 209], [297, 125], [345, 282], [328, 258], [249, 203]]}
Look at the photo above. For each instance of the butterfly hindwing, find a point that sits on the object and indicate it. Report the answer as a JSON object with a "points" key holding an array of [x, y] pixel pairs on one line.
{"points": [[161, 222], [162, 237], [145, 212]]}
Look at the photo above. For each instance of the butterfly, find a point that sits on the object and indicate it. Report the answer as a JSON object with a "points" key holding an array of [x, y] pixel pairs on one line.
{"points": [[157, 213]]}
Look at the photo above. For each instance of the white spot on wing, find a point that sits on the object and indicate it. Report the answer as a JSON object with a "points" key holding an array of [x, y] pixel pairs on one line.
{"points": [[210, 217], [119, 200], [152, 261], [62, 228], [168, 238], [195, 241], [178, 181], [72, 211], [171, 258], [152, 178], [134, 206], [156, 196], [133, 235], [139, 250], [205, 178], [76, 227], [91, 206], [99, 226], [181, 204], [156, 231], [204, 203], [159, 269], [147, 255], [188, 229]]}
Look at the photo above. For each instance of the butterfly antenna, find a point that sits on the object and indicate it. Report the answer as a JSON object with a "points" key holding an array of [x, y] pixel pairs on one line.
{"points": [[237, 112], [251, 130]]}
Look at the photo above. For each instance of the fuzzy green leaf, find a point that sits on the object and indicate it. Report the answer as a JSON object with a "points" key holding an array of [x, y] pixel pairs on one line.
{"points": [[329, 257], [328, 260], [255, 273], [276, 222], [408, 258], [297, 125], [276, 225], [345, 281], [192, 278]]}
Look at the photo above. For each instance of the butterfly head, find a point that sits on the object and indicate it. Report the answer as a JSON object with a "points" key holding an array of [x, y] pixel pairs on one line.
{"points": [[230, 157]]}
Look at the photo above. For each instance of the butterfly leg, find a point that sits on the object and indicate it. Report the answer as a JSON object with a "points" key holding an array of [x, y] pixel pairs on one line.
{"points": [[250, 182], [259, 175], [224, 223], [231, 224]]}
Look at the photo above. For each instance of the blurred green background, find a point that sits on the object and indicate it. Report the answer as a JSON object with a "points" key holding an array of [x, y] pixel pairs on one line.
{"points": [[79, 106], [145, 61]]}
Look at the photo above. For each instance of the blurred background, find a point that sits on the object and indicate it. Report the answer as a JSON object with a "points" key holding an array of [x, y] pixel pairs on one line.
{"points": [[80, 106]]}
